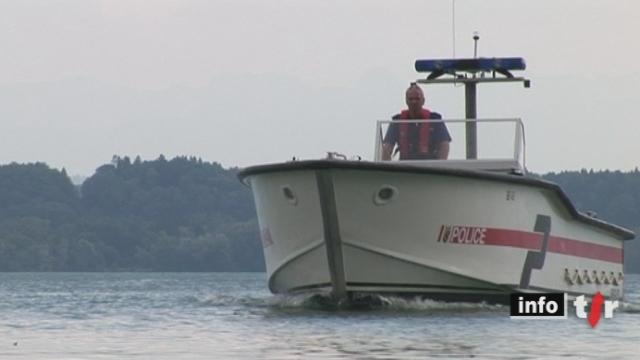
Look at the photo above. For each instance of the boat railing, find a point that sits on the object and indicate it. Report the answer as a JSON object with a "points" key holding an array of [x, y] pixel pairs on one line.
{"points": [[500, 145]]}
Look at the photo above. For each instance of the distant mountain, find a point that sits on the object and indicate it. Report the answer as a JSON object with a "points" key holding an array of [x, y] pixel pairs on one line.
{"points": [[77, 179]]}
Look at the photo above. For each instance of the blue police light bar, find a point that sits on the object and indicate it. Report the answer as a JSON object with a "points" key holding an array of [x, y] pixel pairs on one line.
{"points": [[450, 66]]}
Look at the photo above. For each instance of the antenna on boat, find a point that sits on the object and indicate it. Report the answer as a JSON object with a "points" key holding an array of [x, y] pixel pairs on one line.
{"points": [[453, 28], [466, 71], [476, 37]]}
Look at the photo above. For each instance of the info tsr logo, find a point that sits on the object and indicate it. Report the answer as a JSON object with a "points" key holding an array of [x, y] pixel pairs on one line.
{"points": [[554, 305]]}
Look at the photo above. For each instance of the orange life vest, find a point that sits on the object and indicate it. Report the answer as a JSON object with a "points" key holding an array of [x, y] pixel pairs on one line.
{"points": [[404, 140]]}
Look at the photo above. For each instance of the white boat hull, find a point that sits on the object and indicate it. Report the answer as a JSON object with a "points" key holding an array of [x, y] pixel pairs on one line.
{"points": [[455, 235]]}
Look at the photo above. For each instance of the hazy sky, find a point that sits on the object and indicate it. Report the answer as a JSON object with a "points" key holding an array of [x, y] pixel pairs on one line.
{"points": [[247, 82]]}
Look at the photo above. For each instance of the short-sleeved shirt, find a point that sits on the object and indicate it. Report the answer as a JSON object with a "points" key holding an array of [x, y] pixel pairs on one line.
{"points": [[437, 134]]}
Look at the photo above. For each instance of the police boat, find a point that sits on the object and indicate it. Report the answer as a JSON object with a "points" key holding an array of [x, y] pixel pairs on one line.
{"points": [[474, 227]]}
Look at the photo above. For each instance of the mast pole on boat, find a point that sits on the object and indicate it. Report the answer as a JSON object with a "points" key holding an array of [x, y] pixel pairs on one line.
{"points": [[471, 130]]}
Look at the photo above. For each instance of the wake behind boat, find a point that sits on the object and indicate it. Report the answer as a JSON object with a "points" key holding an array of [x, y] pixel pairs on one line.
{"points": [[473, 227]]}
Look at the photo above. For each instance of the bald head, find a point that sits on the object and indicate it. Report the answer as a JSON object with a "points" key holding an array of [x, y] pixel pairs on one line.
{"points": [[413, 87]]}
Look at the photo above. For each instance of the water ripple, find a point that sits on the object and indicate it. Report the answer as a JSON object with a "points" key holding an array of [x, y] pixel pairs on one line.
{"points": [[204, 316]]}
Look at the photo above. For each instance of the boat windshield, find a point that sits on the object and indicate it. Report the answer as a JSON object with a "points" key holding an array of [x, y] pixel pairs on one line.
{"points": [[499, 143]]}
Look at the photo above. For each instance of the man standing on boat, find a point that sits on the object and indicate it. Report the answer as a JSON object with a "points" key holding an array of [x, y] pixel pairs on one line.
{"points": [[417, 141]]}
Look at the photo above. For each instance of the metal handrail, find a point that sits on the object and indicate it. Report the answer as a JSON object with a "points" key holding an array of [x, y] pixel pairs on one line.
{"points": [[519, 136]]}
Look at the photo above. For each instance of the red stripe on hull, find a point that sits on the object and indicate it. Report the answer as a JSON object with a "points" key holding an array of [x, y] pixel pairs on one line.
{"points": [[584, 249], [558, 245], [514, 238]]}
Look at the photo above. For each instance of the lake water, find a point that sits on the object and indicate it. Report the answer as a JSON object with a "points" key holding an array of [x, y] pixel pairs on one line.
{"points": [[223, 315]]}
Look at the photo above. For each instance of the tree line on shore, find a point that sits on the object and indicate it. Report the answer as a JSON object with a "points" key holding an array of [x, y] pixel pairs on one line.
{"points": [[185, 214], [181, 214]]}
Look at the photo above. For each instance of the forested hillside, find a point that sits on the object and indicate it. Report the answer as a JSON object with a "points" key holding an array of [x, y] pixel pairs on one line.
{"points": [[184, 214], [177, 215]]}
